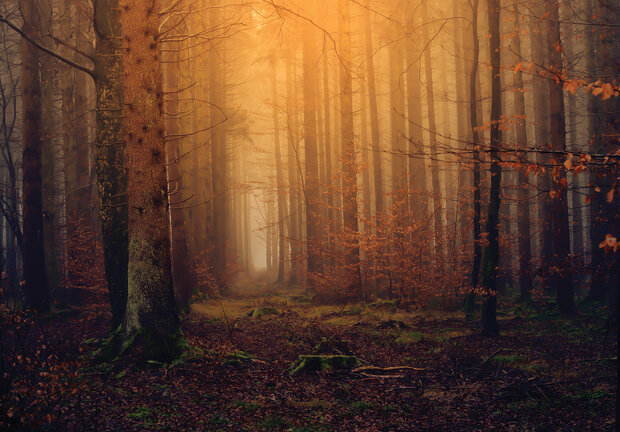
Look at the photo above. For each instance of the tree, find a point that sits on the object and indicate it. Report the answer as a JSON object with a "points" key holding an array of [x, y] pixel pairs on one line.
{"points": [[490, 256], [562, 279], [523, 203], [36, 289], [151, 320], [349, 163]]}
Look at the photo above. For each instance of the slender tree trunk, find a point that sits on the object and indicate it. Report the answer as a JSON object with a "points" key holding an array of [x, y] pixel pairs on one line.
{"points": [[151, 318], [490, 257], [311, 185], [540, 91], [474, 123], [279, 178], [181, 271], [432, 126], [523, 198], [219, 164], [35, 281], [397, 132], [293, 174], [374, 119], [349, 162], [417, 171], [110, 153], [328, 150], [562, 279]]}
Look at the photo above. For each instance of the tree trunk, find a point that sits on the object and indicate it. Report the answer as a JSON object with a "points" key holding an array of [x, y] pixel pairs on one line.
{"points": [[374, 119], [311, 185], [110, 153], [490, 257], [349, 162], [219, 164], [474, 123], [540, 91], [151, 319], [523, 198], [562, 279], [432, 128], [606, 211], [36, 289], [181, 271]]}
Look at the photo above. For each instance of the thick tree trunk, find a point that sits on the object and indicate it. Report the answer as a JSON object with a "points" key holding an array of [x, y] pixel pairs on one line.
{"points": [[606, 210], [562, 279], [48, 154], [490, 257], [35, 281], [110, 153], [151, 320]]}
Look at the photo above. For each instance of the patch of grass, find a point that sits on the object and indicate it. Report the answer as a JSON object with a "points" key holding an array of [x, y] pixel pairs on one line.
{"points": [[121, 374], [360, 406], [409, 337], [141, 413], [250, 406], [508, 359], [591, 395], [273, 422]]}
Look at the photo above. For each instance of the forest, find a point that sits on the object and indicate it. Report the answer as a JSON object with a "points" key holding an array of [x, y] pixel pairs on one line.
{"points": [[319, 215]]}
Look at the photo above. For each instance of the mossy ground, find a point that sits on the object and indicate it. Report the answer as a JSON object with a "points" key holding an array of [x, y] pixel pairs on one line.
{"points": [[545, 372]]}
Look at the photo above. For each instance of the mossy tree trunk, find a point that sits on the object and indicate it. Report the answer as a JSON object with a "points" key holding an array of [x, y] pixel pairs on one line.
{"points": [[110, 152], [151, 320]]}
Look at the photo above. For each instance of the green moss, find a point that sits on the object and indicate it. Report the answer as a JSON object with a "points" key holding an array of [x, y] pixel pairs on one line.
{"points": [[508, 359], [274, 422], [316, 363], [238, 357], [262, 311], [141, 413], [408, 337]]}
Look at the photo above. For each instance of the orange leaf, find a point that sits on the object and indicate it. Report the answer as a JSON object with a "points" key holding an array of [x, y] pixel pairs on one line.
{"points": [[610, 195], [568, 163]]}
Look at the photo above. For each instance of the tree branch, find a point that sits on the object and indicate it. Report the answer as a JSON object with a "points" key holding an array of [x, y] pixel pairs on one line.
{"points": [[46, 50]]}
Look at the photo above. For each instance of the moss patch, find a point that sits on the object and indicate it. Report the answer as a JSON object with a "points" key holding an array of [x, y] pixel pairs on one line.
{"points": [[317, 363]]}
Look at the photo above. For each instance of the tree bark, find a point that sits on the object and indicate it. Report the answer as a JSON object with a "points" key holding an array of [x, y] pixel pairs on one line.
{"points": [[151, 319], [490, 257], [349, 161], [36, 289], [110, 152], [562, 279]]}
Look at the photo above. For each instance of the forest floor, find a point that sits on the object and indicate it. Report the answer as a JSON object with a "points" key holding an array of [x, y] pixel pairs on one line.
{"points": [[545, 372]]}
